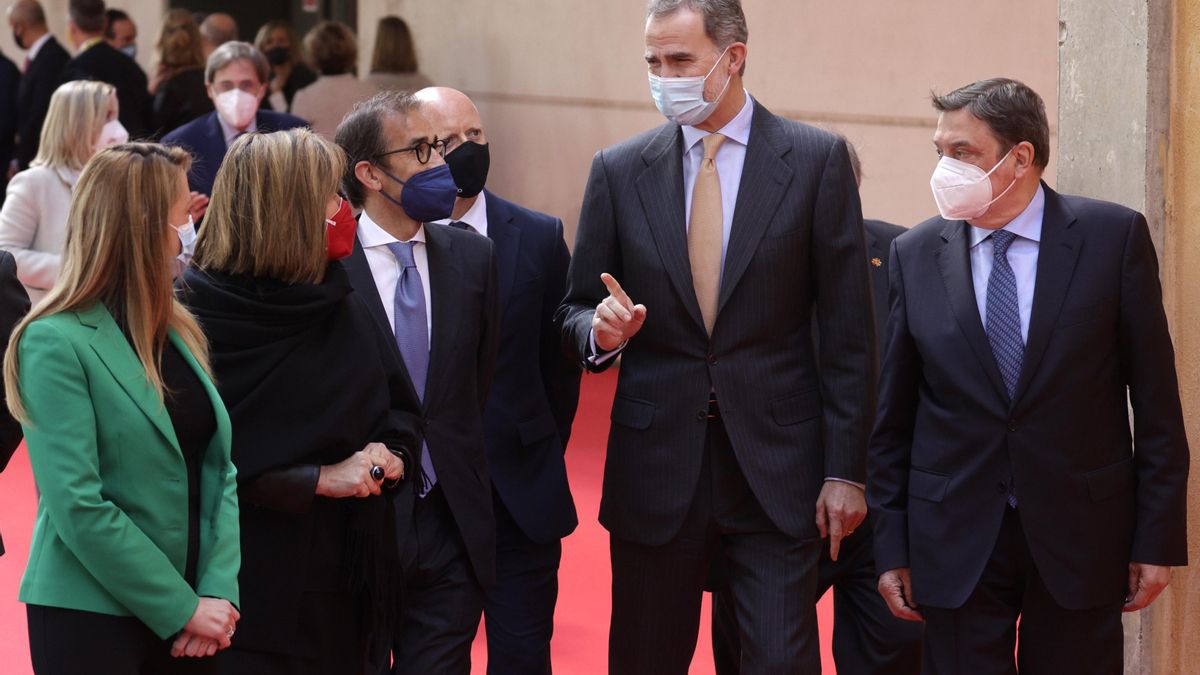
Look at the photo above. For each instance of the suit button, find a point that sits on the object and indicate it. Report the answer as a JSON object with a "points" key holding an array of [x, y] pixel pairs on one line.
{"points": [[702, 415], [1012, 425]]}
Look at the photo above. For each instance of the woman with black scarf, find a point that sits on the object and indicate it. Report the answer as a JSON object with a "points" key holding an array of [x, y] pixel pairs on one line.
{"points": [[321, 429]]}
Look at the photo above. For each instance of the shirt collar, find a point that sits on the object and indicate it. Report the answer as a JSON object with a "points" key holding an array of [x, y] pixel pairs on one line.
{"points": [[737, 129], [231, 134], [1027, 225], [371, 235], [37, 45], [89, 43], [476, 216]]}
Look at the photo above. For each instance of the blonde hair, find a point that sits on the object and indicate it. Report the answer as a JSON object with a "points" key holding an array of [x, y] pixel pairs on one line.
{"points": [[179, 42], [395, 51], [266, 217], [117, 252], [78, 111]]}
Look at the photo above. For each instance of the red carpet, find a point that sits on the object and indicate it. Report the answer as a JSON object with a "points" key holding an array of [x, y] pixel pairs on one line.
{"points": [[581, 625]]}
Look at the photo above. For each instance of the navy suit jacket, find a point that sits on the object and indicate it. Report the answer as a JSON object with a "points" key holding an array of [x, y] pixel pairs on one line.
{"points": [[33, 97], [102, 62], [535, 389], [1095, 492], [204, 138]]}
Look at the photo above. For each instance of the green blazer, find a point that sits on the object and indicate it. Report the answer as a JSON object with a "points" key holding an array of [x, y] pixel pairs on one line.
{"points": [[111, 531]]}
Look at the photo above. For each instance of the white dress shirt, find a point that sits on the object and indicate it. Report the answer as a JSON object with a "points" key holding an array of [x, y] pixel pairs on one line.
{"points": [[231, 134], [1022, 257], [385, 268], [37, 46], [476, 216], [731, 157]]}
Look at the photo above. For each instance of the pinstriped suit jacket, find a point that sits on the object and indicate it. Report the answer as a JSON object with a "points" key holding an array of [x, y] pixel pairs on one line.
{"points": [[796, 240]]}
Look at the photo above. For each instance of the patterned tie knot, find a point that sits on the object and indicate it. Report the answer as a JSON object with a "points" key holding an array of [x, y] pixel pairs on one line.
{"points": [[1001, 240], [711, 143], [403, 250]]}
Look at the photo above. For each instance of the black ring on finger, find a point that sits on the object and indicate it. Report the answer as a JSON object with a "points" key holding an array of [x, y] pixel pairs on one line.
{"points": [[377, 472]]}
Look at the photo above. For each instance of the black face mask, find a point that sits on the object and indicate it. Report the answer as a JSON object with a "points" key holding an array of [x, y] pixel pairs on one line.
{"points": [[469, 165], [17, 40], [278, 56]]}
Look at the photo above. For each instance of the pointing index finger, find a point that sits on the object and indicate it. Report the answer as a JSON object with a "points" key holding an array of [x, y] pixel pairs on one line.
{"points": [[615, 290]]}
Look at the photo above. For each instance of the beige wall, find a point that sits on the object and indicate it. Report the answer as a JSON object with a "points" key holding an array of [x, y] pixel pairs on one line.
{"points": [[147, 14], [1176, 634], [557, 80]]}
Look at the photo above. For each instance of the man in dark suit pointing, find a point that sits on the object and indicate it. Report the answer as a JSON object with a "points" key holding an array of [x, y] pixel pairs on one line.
{"points": [[1006, 480], [703, 246]]}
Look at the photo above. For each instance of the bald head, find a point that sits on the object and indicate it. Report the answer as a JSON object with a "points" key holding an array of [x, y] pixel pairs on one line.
{"points": [[217, 29], [28, 22], [455, 120]]}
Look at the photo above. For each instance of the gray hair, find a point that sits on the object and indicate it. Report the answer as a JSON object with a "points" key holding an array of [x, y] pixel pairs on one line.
{"points": [[724, 22], [1013, 112], [236, 51]]}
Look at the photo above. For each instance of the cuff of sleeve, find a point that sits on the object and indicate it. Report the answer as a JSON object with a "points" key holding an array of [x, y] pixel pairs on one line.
{"points": [[860, 486], [598, 356]]}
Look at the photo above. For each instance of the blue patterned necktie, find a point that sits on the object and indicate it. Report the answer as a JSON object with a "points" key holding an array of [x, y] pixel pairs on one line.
{"points": [[412, 337], [1004, 320]]}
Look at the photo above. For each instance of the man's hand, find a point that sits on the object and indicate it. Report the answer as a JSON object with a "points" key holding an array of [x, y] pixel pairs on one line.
{"points": [[617, 319], [1145, 583], [841, 507], [896, 588], [197, 206]]}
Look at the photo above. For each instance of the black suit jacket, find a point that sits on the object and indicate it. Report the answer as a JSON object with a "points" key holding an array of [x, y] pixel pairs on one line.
{"points": [[462, 357], [204, 138], [33, 97], [102, 62], [796, 240], [879, 242], [14, 304], [1093, 494], [10, 82], [535, 391]]}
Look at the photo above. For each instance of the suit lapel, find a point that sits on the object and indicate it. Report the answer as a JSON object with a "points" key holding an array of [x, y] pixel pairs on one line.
{"points": [[118, 356], [954, 263], [765, 178], [1057, 255], [507, 240], [443, 275], [879, 279], [660, 189], [359, 271]]}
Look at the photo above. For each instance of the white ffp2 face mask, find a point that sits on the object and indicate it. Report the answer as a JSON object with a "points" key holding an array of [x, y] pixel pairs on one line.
{"points": [[237, 108], [112, 133], [681, 99], [962, 190], [187, 246]]}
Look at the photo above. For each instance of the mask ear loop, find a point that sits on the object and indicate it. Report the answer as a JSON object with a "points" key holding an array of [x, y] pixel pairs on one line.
{"points": [[728, 78], [1010, 185]]}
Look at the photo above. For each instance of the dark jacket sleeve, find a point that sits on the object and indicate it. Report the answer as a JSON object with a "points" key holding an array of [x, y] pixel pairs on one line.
{"points": [[489, 339], [596, 251], [891, 443], [560, 375], [1160, 448], [14, 304], [846, 323]]}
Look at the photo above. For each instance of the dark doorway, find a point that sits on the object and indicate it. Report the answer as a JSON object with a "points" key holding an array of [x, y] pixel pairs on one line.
{"points": [[251, 15]]}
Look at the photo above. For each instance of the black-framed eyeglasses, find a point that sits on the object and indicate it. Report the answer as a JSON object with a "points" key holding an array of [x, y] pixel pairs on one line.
{"points": [[422, 149]]}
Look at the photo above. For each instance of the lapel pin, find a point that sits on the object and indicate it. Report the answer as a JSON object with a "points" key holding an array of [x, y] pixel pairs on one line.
{"points": [[877, 262]]}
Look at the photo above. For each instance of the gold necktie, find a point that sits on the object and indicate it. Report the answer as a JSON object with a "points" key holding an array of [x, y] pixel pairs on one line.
{"points": [[705, 232]]}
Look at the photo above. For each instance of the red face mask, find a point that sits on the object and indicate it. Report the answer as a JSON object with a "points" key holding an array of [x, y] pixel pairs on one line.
{"points": [[339, 232]]}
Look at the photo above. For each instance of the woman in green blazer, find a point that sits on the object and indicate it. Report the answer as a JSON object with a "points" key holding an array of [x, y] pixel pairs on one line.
{"points": [[135, 554]]}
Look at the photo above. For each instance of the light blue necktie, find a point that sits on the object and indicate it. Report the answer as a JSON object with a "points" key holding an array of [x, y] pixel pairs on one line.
{"points": [[1004, 319], [412, 337]]}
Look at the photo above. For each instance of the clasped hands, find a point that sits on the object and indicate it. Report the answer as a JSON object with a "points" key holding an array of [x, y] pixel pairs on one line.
{"points": [[209, 630]]}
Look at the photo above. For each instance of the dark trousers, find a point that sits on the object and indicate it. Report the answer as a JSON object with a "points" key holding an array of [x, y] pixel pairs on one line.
{"points": [[657, 589], [69, 642], [519, 610], [331, 635], [443, 601], [867, 639], [979, 638]]}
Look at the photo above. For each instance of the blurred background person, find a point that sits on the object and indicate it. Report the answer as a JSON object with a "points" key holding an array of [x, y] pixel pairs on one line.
{"points": [[277, 41], [332, 49], [83, 119], [121, 32], [45, 60], [178, 87], [96, 60], [394, 60], [236, 75], [10, 83], [110, 380], [14, 304], [316, 541], [215, 30]]}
